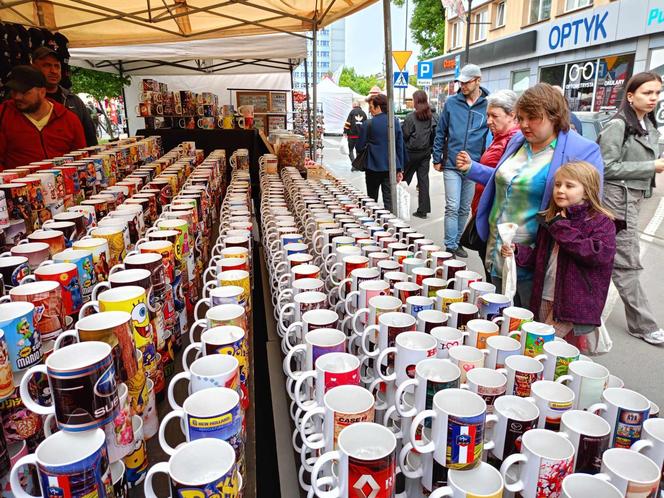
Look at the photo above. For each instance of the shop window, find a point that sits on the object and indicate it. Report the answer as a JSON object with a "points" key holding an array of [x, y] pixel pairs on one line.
{"points": [[499, 15], [576, 4], [540, 10], [612, 76], [520, 81], [480, 22], [457, 35], [657, 65], [553, 75]]}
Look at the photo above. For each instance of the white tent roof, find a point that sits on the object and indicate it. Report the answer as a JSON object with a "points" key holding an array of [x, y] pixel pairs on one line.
{"points": [[239, 55], [330, 87], [89, 23]]}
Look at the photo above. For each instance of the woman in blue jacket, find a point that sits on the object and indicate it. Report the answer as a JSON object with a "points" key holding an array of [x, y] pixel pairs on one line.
{"points": [[373, 134], [522, 183]]}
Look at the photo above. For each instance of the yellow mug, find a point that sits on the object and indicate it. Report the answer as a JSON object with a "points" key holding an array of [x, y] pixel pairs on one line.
{"points": [[101, 255], [116, 243], [239, 278]]}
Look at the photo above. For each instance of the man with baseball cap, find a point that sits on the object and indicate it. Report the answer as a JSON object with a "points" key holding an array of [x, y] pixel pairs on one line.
{"points": [[462, 126], [48, 62], [33, 128]]}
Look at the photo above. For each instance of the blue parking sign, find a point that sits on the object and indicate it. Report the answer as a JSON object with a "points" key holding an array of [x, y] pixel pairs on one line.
{"points": [[424, 72]]}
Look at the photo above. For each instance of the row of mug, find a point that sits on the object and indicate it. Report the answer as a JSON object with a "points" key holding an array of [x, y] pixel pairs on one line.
{"points": [[121, 275], [317, 339]]}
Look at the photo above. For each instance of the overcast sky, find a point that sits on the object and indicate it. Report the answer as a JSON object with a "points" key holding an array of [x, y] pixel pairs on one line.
{"points": [[365, 48]]}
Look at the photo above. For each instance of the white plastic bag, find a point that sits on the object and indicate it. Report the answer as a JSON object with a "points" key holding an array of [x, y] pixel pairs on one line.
{"points": [[507, 232], [603, 340], [343, 146], [403, 202]]}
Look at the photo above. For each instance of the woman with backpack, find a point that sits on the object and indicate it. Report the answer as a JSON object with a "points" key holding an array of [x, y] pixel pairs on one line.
{"points": [[419, 130], [629, 145]]}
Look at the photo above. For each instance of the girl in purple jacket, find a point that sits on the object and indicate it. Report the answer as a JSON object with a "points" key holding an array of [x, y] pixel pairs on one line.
{"points": [[573, 255]]}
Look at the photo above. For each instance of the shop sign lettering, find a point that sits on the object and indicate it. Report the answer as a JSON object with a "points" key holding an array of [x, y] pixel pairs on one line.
{"points": [[655, 16], [583, 30]]}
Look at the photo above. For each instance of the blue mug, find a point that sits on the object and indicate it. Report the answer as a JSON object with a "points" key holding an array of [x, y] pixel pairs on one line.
{"points": [[491, 305], [68, 464], [85, 266], [23, 339]]}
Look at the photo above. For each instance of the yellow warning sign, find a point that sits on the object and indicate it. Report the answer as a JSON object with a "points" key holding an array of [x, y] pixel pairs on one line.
{"points": [[401, 58]]}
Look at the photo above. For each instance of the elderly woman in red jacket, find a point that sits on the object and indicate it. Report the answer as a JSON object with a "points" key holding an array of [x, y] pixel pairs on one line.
{"points": [[501, 119]]}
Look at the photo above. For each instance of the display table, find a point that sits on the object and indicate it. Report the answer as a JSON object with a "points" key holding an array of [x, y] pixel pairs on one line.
{"points": [[209, 140]]}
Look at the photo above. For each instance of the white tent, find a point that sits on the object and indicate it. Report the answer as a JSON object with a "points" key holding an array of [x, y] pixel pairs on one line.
{"points": [[239, 55], [337, 102]]}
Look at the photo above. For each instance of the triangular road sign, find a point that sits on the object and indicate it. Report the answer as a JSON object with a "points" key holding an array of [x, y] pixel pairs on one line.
{"points": [[401, 57]]}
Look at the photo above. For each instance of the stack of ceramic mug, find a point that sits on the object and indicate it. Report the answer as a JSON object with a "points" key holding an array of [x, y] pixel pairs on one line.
{"points": [[419, 379], [34, 193], [216, 362], [107, 382]]}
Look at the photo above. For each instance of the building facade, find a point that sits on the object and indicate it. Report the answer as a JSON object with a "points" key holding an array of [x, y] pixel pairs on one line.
{"points": [[331, 54], [588, 47]]}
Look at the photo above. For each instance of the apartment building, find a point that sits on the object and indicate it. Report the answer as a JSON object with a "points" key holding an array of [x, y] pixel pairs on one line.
{"points": [[331, 55], [588, 47]]}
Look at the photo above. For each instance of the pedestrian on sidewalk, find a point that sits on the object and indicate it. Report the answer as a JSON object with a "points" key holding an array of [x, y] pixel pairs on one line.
{"points": [[419, 130], [629, 145], [373, 134], [462, 126], [572, 257], [352, 129], [516, 189]]}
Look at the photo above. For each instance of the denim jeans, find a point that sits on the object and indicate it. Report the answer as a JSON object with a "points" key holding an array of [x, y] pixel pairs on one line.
{"points": [[459, 193]]}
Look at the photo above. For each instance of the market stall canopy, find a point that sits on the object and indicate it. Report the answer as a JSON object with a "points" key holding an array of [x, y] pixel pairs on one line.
{"points": [[337, 102], [125, 22], [239, 55]]}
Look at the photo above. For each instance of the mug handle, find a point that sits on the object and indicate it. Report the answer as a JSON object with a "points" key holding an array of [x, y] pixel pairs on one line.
{"points": [[299, 395], [598, 407], [118, 267], [204, 300], [100, 287], [191, 347], [491, 420], [398, 396], [67, 333], [282, 317], [641, 445], [28, 279], [356, 317], [316, 475], [90, 304], [314, 444], [168, 449], [417, 420], [198, 323], [171, 388], [30, 403], [518, 486], [155, 469], [286, 345], [14, 479], [48, 422], [300, 348], [349, 299], [381, 357], [365, 340], [5, 299], [405, 470], [564, 378]]}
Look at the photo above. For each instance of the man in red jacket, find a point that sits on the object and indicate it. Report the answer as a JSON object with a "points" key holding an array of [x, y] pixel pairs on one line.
{"points": [[32, 128]]}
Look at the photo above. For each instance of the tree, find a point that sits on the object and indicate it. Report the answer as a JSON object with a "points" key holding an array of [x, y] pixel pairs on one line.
{"points": [[360, 84], [427, 26], [98, 85], [412, 80]]}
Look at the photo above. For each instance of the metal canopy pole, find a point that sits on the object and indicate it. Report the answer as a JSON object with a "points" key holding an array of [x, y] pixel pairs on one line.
{"points": [[468, 23], [314, 65], [389, 86], [306, 85], [124, 98]]}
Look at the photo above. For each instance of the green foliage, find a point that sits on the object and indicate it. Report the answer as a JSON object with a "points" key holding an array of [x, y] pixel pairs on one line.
{"points": [[96, 83], [427, 26], [412, 80], [360, 84]]}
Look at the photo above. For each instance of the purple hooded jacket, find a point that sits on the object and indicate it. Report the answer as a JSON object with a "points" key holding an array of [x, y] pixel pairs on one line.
{"points": [[586, 246]]}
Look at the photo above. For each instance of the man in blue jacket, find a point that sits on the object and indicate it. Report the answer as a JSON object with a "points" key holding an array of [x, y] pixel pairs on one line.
{"points": [[373, 134], [462, 126]]}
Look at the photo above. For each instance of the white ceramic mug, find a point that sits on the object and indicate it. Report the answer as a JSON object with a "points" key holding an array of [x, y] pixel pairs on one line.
{"points": [[587, 380], [553, 400], [631, 472], [589, 433], [515, 416], [625, 411], [584, 485]]}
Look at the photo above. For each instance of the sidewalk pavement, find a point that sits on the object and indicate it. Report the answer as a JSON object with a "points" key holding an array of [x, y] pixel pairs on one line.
{"points": [[638, 363]]}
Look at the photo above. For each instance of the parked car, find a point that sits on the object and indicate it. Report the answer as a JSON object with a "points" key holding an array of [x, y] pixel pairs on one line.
{"points": [[593, 122]]}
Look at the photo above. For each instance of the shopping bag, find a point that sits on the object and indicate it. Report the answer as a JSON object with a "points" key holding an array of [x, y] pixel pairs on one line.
{"points": [[343, 146], [603, 340], [507, 231], [403, 202]]}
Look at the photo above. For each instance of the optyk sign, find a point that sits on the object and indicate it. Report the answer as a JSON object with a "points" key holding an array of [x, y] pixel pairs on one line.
{"points": [[586, 30]]}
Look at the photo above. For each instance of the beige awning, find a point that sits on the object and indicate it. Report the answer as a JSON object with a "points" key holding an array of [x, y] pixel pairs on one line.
{"points": [[88, 23]]}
